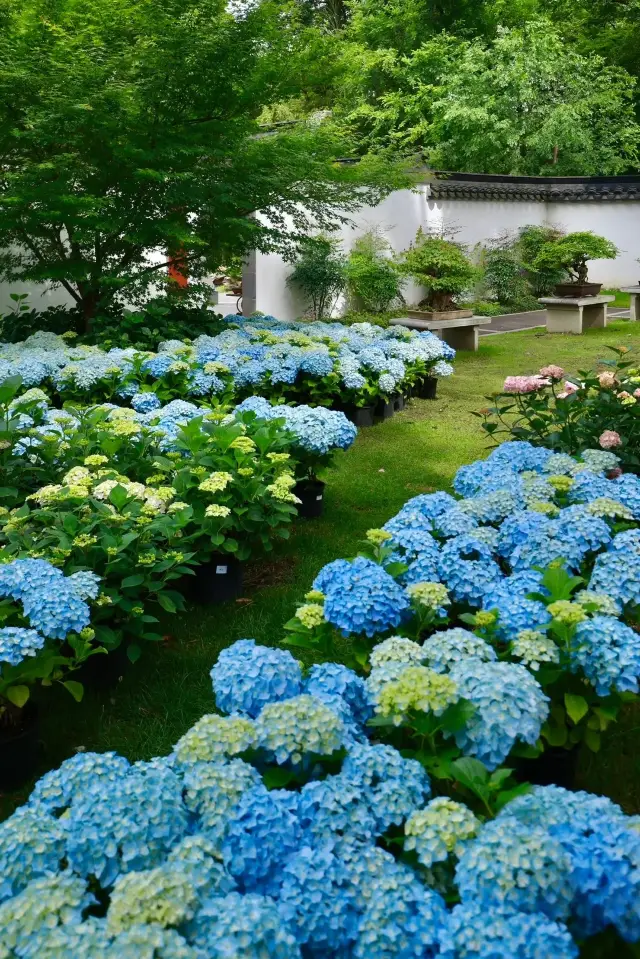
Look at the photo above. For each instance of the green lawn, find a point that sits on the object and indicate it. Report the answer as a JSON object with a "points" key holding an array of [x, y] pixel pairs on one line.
{"points": [[622, 300], [417, 451]]}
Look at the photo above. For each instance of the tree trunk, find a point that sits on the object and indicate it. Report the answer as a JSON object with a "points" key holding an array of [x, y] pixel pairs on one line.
{"points": [[89, 305]]}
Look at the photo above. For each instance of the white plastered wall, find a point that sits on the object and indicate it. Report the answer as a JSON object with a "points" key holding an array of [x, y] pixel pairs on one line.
{"points": [[471, 221]]}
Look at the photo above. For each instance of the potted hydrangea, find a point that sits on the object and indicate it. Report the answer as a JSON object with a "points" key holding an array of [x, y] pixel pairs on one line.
{"points": [[572, 253], [444, 269]]}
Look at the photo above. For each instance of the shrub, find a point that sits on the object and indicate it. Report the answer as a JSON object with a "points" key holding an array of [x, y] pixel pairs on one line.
{"points": [[319, 273], [572, 414], [531, 239], [572, 252], [439, 265], [372, 278]]}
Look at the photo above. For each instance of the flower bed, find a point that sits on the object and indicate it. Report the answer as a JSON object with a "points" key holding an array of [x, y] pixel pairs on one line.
{"points": [[137, 500], [203, 853], [535, 567], [597, 407], [366, 812], [323, 364]]}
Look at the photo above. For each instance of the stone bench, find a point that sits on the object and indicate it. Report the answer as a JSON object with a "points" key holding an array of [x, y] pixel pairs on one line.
{"points": [[566, 314], [634, 306], [460, 334]]}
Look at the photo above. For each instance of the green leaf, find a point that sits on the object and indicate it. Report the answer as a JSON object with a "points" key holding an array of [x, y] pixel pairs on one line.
{"points": [[76, 689], [275, 777], [18, 695], [592, 739], [577, 707], [133, 653], [470, 772], [136, 580], [167, 603], [118, 496]]}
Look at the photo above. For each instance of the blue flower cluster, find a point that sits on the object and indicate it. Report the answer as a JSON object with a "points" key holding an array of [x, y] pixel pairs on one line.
{"points": [[52, 603], [192, 858], [257, 355], [514, 516], [316, 429]]}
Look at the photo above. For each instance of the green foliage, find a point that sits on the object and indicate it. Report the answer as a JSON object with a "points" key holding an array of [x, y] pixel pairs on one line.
{"points": [[129, 128], [372, 278], [571, 253], [162, 319], [320, 274], [531, 239], [439, 265], [523, 102]]}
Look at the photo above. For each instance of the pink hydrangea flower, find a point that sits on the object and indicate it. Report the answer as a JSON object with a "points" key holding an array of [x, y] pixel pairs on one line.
{"points": [[609, 439], [569, 388], [524, 384], [636, 393], [553, 372], [607, 380], [623, 395]]}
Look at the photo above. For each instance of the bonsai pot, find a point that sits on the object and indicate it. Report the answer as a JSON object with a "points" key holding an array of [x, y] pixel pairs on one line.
{"points": [[385, 409], [19, 749], [311, 494], [360, 416], [439, 315], [218, 580], [427, 388], [577, 289]]}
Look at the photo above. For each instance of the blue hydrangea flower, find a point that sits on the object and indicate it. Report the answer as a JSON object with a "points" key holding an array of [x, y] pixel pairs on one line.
{"points": [[390, 785], [516, 867], [361, 597], [510, 707], [145, 402], [260, 835], [213, 790], [242, 925], [246, 677], [474, 932], [443, 649], [50, 602], [31, 845], [60, 787], [326, 681], [17, 643], [608, 652]]}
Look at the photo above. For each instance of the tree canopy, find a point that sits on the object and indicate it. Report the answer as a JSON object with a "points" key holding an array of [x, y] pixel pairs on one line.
{"points": [[525, 103], [132, 126]]}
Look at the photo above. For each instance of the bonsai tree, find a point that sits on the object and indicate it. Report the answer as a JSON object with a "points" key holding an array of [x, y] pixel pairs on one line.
{"points": [[572, 252], [319, 272], [531, 239], [439, 265], [371, 275]]}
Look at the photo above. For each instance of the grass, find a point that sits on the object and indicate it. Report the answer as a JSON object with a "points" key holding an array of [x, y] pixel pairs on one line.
{"points": [[622, 300], [419, 450]]}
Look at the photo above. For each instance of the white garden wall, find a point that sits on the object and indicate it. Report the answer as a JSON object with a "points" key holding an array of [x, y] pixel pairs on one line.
{"points": [[473, 218], [475, 207]]}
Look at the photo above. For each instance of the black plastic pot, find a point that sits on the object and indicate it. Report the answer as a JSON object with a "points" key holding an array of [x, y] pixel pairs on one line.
{"points": [[384, 411], [217, 581], [398, 402], [311, 496], [104, 672], [555, 767], [427, 388], [360, 416], [19, 749]]}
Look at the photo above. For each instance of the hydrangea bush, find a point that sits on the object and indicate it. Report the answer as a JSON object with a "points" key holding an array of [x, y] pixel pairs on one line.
{"points": [[202, 853], [45, 630], [571, 413], [500, 619], [323, 364]]}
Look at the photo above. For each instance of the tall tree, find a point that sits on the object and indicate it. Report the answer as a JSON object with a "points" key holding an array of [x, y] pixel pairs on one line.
{"points": [[524, 103], [131, 126]]}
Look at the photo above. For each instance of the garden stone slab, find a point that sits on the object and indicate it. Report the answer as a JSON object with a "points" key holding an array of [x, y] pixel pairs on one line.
{"points": [[568, 314], [634, 307], [461, 334]]}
